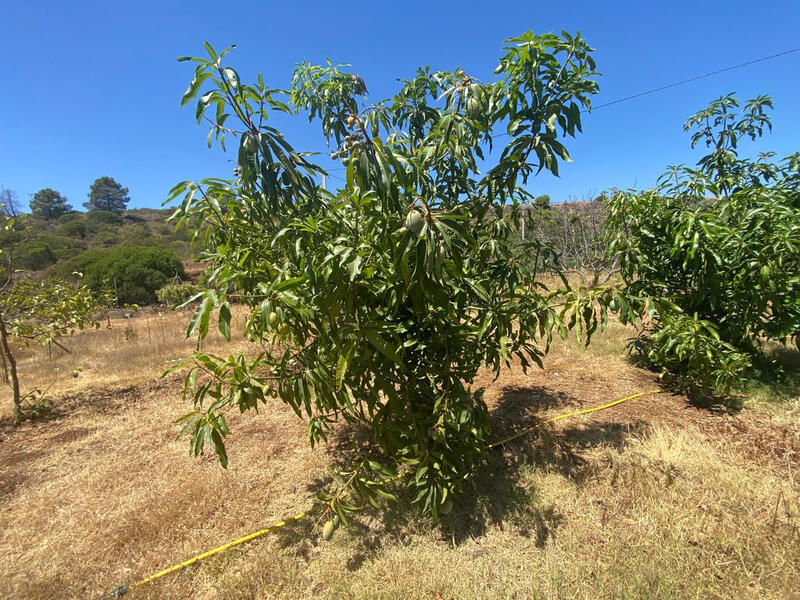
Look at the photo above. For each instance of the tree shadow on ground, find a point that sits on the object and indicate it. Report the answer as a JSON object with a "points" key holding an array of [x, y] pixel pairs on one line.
{"points": [[89, 401], [498, 493], [774, 376]]}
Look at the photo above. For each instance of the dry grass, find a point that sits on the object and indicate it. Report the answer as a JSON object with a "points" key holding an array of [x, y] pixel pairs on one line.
{"points": [[121, 352], [651, 499]]}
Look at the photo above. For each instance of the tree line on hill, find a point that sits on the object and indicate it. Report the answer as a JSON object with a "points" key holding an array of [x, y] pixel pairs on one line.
{"points": [[54, 240], [132, 253]]}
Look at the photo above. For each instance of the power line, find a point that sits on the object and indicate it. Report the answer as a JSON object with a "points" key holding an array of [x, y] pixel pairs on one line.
{"points": [[672, 85], [709, 74]]}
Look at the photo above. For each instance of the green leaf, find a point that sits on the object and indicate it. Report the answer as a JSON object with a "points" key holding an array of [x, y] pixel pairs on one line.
{"points": [[377, 340], [200, 318], [219, 448], [194, 86], [341, 369], [225, 320]]}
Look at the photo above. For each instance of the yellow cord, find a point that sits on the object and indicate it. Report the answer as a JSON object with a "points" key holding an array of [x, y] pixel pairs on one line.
{"points": [[123, 589], [572, 414], [241, 540]]}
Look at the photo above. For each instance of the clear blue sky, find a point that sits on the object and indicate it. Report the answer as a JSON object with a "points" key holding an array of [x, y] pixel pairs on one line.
{"points": [[93, 88]]}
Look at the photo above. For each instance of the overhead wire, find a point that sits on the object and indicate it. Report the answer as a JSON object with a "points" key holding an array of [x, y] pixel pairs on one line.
{"points": [[669, 85]]}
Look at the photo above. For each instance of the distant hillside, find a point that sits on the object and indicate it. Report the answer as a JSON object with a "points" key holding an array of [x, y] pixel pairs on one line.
{"points": [[38, 245]]}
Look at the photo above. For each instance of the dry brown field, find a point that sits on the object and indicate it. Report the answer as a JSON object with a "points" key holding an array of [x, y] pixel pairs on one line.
{"points": [[653, 498]]}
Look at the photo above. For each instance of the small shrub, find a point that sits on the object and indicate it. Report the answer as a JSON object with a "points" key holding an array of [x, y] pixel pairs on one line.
{"points": [[176, 293], [105, 239], [70, 217], [103, 216], [34, 256], [138, 234], [73, 229]]}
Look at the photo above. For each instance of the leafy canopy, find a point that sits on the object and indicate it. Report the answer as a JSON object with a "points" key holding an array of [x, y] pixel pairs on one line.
{"points": [[377, 303], [134, 273], [106, 194], [714, 251], [41, 312], [49, 204]]}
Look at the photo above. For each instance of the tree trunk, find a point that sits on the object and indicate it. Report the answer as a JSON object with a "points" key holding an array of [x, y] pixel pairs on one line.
{"points": [[12, 369]]}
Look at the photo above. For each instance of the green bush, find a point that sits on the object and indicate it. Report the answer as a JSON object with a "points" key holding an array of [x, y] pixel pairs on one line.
{"points": [[137, 234], [34, 256], [103, 216], [177, 293], [105, 239], [62, 246], [73, 229], [70, 217], [134, 273]]}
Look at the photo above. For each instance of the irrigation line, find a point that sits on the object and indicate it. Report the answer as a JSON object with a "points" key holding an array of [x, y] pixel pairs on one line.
{"points": [[123, 589]]}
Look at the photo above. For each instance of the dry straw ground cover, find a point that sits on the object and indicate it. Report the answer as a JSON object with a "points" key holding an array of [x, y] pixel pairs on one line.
{"points": [[654, 498]]}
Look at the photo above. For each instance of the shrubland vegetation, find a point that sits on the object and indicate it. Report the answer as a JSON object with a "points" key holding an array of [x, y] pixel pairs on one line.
{"points": [[133, 273], [75, 232], [132, 252]]}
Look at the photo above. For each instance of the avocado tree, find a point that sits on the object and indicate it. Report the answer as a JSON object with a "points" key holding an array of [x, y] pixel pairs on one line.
{"points": [[377, 303], [40, 312], [713, 253], [35, 311]]}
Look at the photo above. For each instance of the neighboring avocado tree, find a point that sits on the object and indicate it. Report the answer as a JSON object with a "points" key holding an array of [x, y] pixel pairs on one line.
{"points": [[33, 312], [379, 302], [714, 252], [106, 194], [49, 204]]}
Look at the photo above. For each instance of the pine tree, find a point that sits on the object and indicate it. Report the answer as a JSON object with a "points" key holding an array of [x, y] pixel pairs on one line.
{"points": [[106, 194], [49, 204]]}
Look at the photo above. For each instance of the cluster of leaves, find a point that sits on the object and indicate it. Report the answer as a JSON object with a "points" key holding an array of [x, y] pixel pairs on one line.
{"points": [[377, 304], [41, 312], [714, 251]]}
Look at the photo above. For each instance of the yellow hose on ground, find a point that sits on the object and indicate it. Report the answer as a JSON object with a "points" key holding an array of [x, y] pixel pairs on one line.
{"points": [[572, 414], [121, 590]]}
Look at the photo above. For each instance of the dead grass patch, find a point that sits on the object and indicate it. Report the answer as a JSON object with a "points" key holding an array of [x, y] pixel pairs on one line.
{"points": [[655, 498]]}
